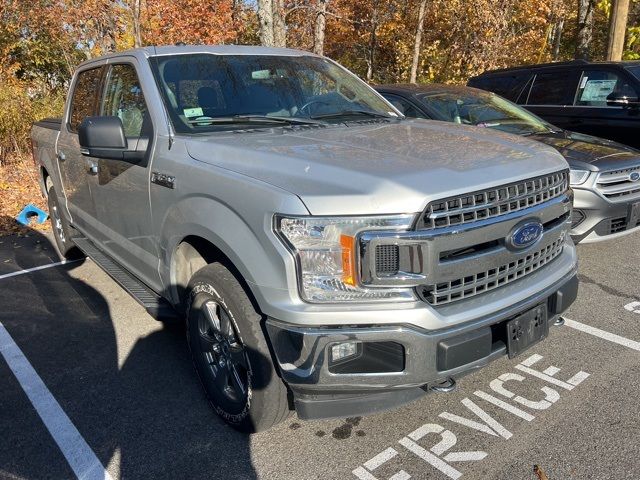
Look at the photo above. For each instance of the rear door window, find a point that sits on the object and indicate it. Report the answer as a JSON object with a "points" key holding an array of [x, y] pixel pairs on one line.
{"points": [[596, 85], [554, 88], [509, 86], [85, 95]]}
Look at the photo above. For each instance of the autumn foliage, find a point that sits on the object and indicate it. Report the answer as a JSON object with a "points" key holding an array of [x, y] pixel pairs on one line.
{"points": [[42, 41]]}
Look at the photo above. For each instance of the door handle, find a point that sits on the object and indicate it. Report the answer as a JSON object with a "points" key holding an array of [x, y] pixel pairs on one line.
{"points": [[61, 156], [93, 170]]}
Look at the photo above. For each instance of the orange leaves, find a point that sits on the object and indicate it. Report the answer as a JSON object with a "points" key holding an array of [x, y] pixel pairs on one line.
{"points": [[18, 187], [189, 21]]}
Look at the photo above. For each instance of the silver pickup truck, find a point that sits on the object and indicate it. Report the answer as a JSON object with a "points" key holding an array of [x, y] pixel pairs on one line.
{"points": [[327, 254]]}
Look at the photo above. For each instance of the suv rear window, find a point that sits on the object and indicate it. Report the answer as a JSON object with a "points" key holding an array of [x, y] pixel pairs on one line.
{"points": [[553, 88], [508, 86], [83, 103]]}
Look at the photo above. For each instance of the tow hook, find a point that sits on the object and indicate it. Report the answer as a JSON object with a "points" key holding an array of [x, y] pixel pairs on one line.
{"points": [[449, 385], [559, 322]]}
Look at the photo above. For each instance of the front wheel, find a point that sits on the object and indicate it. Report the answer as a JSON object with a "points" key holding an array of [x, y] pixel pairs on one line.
{"points": [[230, 352]]}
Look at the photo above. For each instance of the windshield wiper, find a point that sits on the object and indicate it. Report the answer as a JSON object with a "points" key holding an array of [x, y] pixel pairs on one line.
{"points": [[205, 121], [348, 113]]}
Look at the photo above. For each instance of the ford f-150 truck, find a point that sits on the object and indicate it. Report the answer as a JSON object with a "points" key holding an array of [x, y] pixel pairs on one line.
{"points": [[327, 254]]}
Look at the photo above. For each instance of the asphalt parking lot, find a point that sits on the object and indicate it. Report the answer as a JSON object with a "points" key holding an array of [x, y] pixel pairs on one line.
{"points": [[120, 385]]}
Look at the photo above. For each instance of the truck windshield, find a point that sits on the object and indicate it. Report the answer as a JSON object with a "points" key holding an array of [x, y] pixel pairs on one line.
{"points": [[484, 110], [205, 92]]}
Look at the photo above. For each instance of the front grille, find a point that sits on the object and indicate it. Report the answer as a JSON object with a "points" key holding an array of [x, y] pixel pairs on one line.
{"points": [[481, 282], [387, 259], [617, 185], [494, 202]]}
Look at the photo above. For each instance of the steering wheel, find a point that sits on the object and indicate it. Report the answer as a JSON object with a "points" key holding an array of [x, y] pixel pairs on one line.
{"points": [[312, 102]]}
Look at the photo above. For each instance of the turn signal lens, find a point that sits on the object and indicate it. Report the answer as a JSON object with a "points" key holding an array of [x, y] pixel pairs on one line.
{"points": [[348, 245]]}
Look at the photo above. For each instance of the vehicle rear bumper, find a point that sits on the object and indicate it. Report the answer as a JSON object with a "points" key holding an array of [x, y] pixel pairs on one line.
{"points": [[396, 363], [599, 219]]}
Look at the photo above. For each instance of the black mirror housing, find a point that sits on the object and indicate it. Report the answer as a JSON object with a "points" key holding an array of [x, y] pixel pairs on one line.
{"points": [[104, 137]]}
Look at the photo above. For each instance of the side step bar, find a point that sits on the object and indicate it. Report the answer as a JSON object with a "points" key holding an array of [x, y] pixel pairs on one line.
{"points": [[156, 306]]}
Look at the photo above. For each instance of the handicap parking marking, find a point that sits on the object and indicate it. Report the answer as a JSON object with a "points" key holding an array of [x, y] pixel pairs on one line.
{"points": [[612, 337], [81, 458], [441, 457], [35, 269]]}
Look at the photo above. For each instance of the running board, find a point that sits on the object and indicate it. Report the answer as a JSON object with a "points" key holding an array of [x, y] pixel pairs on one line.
{"points": [[156, 306]]}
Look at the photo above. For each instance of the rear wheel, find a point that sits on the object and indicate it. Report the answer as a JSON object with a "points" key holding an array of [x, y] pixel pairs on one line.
{"points": [[62, 231], [230, 352]]}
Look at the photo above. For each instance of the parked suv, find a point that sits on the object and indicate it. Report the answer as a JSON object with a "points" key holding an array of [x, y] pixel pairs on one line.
{"points": [[605, 175], [325, 253], [596, 98]]}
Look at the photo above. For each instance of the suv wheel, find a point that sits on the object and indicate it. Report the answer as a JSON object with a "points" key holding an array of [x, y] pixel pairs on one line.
{"points": [[62, 231], [230, 352]]}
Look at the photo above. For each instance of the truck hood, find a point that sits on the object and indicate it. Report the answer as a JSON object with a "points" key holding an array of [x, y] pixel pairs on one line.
{"points": [[590, 153], [377, 168]]}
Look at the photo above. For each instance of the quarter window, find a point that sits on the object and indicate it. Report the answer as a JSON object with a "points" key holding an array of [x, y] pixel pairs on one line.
{"points": [[553, 88], [597, 85], [85, 93], [123, 98]]}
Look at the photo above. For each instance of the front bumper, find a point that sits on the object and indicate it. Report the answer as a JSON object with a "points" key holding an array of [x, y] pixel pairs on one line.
{"points": [[302, 355], [599, 218]]}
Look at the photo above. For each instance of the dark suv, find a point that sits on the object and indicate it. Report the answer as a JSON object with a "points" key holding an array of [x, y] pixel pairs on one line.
{"points": [[596, 98]]}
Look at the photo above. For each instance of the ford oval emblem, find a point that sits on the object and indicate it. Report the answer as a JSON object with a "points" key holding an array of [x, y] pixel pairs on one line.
{"points": [[634, 176], [525, 235]]}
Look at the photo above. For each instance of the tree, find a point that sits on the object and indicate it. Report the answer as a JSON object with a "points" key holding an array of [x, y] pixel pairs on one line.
{"points": [[319, 26], [617, 28], [418, 41], [585, 28], [273, 32]]}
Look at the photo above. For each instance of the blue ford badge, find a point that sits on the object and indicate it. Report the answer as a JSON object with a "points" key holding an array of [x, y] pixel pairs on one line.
{"points": [[634, 176], [525, 235]]}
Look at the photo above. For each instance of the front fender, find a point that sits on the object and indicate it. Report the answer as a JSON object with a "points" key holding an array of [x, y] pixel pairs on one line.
{"points": [[245, 236]]}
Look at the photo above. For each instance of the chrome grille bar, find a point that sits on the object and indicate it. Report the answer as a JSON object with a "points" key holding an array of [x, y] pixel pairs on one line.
{"points": [[502, 200], [616, 185], [483, 281]]}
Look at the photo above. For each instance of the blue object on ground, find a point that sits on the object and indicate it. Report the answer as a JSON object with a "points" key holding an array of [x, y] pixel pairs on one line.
{"points": [[24, 217]]}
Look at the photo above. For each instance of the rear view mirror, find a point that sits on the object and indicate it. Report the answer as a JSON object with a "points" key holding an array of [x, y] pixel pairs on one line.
{"points": [[104, 137], [617, 100]]}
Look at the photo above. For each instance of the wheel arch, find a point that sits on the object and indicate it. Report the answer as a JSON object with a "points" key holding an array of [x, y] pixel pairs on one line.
{"points": [[192, 253]]}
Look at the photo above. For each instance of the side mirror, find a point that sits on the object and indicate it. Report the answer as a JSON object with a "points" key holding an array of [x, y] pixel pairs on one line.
{"points": [[617, 100], [104, 137]]}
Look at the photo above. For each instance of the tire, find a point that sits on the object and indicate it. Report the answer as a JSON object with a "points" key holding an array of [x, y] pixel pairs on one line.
{"points": [[230, 352], [62, 231]]}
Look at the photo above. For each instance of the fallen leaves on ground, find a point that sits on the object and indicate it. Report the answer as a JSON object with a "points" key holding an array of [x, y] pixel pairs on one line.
{"points": [[19, 187]]}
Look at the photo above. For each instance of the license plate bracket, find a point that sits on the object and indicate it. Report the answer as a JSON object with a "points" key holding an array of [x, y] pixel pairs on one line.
{"points": [[633, 217], [526, 330]]}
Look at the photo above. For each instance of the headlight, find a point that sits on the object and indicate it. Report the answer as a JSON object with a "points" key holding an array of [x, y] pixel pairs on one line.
{"points": [[326, 253], [578, 177]]}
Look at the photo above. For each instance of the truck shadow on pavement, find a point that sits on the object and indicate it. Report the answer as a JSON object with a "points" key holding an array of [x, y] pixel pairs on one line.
{"points": [[126, 381]]}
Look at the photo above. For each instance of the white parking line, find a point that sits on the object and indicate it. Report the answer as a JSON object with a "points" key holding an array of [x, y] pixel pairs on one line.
{"points": [[35, 269], [612, 337], [75, 449]]}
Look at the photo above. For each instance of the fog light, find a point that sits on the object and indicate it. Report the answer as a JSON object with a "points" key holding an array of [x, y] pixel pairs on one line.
{"points": [[344, 350]]}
